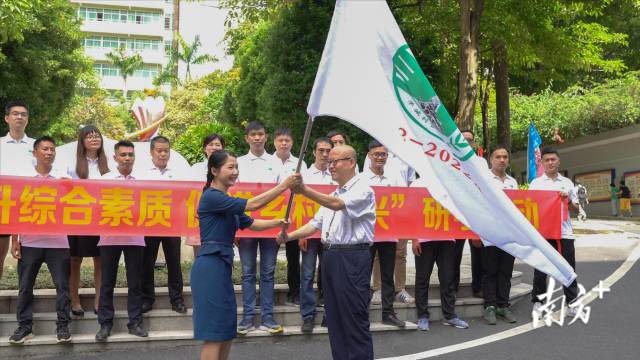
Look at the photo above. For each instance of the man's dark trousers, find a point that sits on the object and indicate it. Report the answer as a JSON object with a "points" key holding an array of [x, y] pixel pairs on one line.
{"points": [[387, 259], [497, 265], [441, 253], [57, 261], [171, 249], [133, 258], [476, 265], [346, 274], [293, 268], [568, 252]]}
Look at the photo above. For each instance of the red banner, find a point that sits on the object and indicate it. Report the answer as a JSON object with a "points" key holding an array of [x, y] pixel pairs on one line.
{"points": [[169, 208]]}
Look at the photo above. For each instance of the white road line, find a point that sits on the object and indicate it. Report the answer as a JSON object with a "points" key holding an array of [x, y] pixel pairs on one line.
{"points": [[608, 283]]}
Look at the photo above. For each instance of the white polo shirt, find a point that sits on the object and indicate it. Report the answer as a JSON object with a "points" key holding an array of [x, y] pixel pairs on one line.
{"points": [[258, 169], [395, 165], [199, 170], [45, 241], [560, 183], [92, 165], [16, 156], [355, 223], [315, 176], [392, 179], [166, 174], [288, 167]]}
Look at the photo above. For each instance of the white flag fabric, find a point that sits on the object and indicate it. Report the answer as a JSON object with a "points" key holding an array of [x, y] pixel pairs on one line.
{"points": [[369, 77]]}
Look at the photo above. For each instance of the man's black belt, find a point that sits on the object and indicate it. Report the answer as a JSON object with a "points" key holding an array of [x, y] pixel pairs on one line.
{"points": [[346, 246]]}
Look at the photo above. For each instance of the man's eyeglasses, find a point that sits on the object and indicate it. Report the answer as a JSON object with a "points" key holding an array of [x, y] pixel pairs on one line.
{"points": [[20, 114], [335, 162], [378, 155]]}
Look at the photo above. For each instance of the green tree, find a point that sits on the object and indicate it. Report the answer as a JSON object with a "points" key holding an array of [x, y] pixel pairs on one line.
{"points": [[189, 143], [42, 58], [188, 54], [127, 64]]}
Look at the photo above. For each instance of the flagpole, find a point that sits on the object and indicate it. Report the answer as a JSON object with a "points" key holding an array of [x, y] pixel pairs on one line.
{"points": [[303, 150], [528, 144]]}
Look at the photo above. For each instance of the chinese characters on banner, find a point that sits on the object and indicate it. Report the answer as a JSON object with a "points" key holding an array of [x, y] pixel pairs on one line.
{"points": [[163, 208]]}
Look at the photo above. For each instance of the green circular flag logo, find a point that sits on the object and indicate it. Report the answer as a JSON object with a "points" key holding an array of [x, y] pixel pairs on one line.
{"points": [[423, 107]]}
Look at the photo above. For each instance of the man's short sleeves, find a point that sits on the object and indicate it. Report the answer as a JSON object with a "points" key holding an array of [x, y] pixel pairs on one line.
{"points": [[215, 201], [360, 203], [318, 218]]}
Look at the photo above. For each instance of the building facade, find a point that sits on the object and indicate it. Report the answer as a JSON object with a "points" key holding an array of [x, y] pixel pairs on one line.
{"points": [[141, 26]]}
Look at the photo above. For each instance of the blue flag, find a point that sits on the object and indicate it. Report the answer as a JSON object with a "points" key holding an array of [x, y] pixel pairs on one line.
{"points": [[534, 161]]}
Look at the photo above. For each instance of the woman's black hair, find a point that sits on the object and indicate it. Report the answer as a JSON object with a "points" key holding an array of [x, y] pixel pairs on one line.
{"points": [[216, 160], [213, 136]]}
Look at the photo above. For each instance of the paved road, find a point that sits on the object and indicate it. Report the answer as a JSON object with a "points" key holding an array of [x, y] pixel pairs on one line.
{"points": [[612, 333]]}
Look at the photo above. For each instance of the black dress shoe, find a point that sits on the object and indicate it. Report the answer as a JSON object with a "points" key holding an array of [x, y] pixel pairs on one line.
{"points": [[137, 330], [95, 311], [79, 312], [307, 326], [179, 308], [324, 321], [393, 321], [146, 307], [104, 333]]}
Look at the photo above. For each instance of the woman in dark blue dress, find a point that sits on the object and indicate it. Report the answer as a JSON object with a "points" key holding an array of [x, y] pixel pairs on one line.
{"points": [[214, 301]]}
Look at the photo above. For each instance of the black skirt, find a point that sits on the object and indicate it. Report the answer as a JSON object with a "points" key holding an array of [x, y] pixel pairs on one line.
{"points": [[83, 245]]}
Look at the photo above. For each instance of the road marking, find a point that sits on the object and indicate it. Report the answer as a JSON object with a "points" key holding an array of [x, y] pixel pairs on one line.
{"points": [[608, 282]]}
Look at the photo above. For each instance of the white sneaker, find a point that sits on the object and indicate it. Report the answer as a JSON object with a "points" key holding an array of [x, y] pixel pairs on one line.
{"points": [[404, 297], [572, 311], [376, 299], [535, 312]]}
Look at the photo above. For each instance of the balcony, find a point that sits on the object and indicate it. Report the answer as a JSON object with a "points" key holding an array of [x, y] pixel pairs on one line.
{"points": [[148, 56], [139, 4], [154, 29], [133, 83]]}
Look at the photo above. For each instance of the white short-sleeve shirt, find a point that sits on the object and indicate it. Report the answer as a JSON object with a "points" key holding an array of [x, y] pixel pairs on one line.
{"points": [[92, 165], [315, 176], [288, 167], [509, 183], [16, 156], [166, 174], [560, 183], [199, 170], [396, 166], [45, 241], [258, 169], [355, 223], [386, 179]]}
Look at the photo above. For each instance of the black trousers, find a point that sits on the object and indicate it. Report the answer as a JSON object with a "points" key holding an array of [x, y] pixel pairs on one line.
{"points": [[345, 276], [171, 248], [540, 279], [133, 258], [57, 261], [443, 254], [387, 258], [293, 267], [497, 265], [476, 266]]}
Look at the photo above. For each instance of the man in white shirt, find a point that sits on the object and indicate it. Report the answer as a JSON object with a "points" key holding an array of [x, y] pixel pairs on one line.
{"points": [[497, 264], [385, 249], [258, 167], [346, 220], [160, 148], [283, 141], [111, 248], [551, 180], [317, 174], [16, 154], [34, 250]]}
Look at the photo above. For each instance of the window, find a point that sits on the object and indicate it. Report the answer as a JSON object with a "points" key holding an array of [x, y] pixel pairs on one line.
{"points": [[118, 16], [167, 22]]}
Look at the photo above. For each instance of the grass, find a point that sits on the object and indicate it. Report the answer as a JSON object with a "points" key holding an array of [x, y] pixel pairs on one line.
{"points": [[9, 280]]}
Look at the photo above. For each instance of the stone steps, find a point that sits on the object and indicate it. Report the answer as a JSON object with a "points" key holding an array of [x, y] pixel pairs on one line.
{"points": [[45, 299]]}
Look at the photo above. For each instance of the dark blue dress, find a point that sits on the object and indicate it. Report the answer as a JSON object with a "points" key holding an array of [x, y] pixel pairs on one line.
{"points": [[214, 300]]}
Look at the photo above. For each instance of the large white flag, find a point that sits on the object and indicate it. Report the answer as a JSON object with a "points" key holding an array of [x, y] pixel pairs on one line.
{"points": [[369, 77]]}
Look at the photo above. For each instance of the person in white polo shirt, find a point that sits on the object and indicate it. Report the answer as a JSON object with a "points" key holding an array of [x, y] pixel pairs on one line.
{"points": [[111, 248], [34, 250], [317, 174], [15, 151], [283, 141], [497, 264], [385, 249], [258, 167], [160, 149], [552, 180]]}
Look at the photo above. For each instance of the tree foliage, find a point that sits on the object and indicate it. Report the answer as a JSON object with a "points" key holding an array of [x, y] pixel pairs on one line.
{"points": [[189, 143], [43, 61]]}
